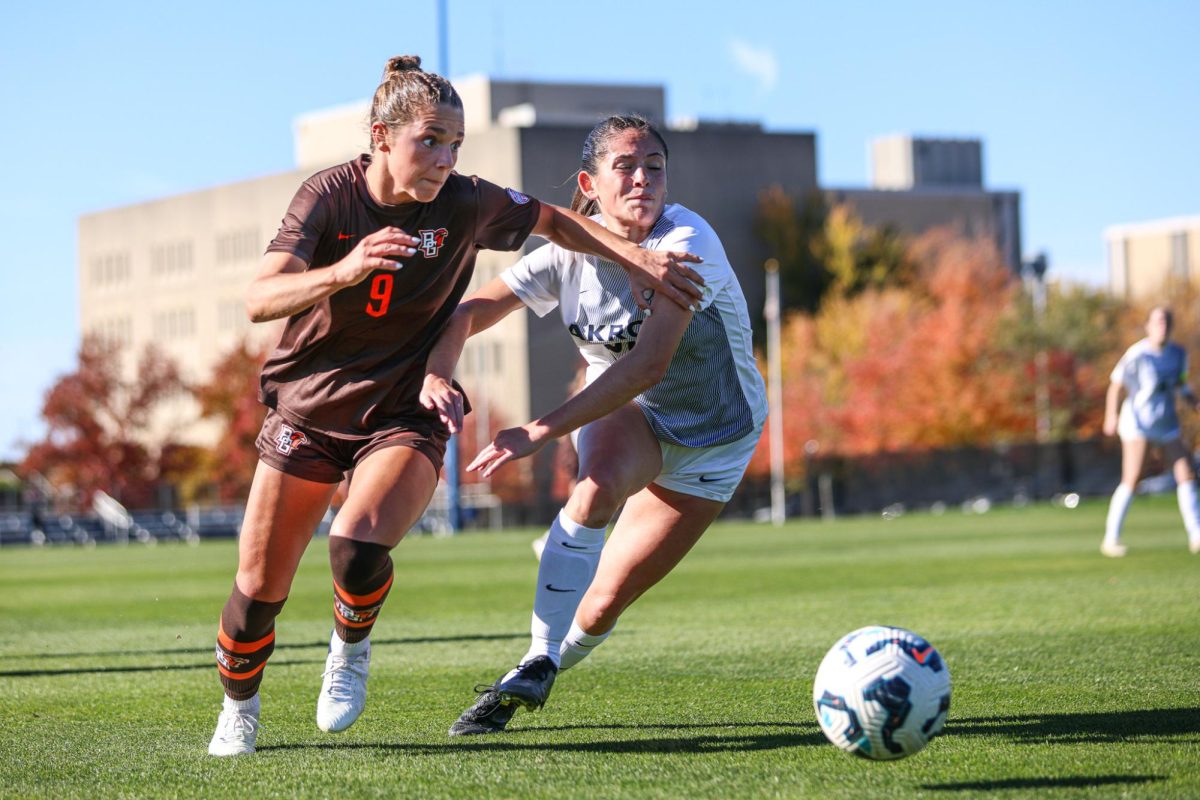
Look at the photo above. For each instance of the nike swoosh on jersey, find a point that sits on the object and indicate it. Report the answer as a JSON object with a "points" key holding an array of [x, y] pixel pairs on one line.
{"points": [[552, 588], [706, 479]]}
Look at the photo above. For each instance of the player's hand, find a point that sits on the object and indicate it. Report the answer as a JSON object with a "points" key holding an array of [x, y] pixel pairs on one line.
{"points": [[509, 445], [666, 273], [386, 248], [1110, 425], [438, 394]]}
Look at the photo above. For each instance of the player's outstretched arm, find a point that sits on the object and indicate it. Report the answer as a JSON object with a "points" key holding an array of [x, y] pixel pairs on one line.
{"points": [[651, 272], [480, 311], [632, 374]]}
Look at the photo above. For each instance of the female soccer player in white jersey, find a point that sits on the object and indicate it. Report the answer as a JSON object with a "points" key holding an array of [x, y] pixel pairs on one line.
{"points": [[666, 427], [1149, 374]]}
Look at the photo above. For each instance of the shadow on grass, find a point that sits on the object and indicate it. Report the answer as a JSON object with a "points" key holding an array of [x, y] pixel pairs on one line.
{"points": [[322, 645], [1042, 783], [1110, 726], [774, 736]]}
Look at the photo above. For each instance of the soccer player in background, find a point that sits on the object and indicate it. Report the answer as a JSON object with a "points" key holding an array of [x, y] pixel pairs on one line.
{"points": [[371, 259], [1150, 373], [666, 427]]}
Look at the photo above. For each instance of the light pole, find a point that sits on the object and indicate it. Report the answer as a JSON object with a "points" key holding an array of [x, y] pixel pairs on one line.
{"points": [[774, 391], [1035, 270]]}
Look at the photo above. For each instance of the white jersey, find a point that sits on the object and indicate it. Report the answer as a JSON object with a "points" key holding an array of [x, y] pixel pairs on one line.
{"points": [[712, 392], [1150, 378]]}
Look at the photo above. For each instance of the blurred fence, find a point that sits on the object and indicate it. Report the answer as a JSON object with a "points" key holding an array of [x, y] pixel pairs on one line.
{"points": [[1004, 474], [1000, 474]]}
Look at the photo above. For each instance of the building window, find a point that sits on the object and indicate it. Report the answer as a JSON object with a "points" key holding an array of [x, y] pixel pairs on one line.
{"points": [[171, 258], [115, 330], [179, 323], [1180, 268], [109, 269], [237, 246]]}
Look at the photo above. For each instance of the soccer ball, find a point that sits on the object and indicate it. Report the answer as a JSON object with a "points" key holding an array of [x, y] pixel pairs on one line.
{"points": [[882, 693]]}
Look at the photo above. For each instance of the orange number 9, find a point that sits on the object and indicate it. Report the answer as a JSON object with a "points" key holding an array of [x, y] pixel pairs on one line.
{"points": [[381, 293]]}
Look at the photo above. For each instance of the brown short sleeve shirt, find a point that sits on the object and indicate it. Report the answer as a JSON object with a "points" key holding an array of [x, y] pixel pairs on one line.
{"points": [[353, 363]]}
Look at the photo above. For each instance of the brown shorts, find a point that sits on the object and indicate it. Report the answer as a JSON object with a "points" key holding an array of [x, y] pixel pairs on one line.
{"points": [[316, 456]]}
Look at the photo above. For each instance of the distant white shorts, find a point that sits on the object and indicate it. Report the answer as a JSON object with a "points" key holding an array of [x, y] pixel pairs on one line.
{"points": [[709, 472], [1129, 428]]}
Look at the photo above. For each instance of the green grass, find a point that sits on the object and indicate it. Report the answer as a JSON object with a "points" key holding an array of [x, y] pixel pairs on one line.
{"points": [[1074, 675]]}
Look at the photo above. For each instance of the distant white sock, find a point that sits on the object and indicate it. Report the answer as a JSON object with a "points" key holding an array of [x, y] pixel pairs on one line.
{"points": [[568, 565], [251, 705], [1116, 514], [577, 645], [340, 648], [1186, 492]]}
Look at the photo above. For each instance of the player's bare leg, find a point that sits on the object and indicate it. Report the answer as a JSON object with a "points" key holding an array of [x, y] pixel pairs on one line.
{"points": [[657, 528], [1133, 455], [390, 491], [282, 513], [619, 454], [1185, 490]]}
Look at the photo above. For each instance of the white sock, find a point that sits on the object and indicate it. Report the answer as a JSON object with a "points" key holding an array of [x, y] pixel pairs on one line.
{"points": [[250, 704], [1186, 492], [340, 648], [577, 645], [568, 565], [1116, 514]]}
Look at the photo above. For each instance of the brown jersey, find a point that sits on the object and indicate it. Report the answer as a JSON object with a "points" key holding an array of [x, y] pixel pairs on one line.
{"points": [[353, 363]]}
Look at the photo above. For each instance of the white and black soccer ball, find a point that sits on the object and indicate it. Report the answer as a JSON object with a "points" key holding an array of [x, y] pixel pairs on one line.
{"points": [[882, 693]]}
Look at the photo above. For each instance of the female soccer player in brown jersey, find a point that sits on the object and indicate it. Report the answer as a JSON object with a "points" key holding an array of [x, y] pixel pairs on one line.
{"points": [[368, 265]]}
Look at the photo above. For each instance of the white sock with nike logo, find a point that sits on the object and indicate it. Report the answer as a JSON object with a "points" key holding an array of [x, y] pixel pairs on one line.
{"points": [[568, 565], [578, 645]]}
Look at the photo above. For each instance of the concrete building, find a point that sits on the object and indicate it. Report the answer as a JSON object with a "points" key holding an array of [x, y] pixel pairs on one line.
{"points": [[922, 183], [174, 271], [1146, 258]]}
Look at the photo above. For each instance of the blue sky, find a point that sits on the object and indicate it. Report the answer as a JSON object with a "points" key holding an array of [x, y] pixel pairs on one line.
{"points": [[1090, 109]]}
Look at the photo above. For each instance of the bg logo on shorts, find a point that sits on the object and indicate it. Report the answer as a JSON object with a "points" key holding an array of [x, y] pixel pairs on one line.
{"points": [[432, 241], [289, 439]]}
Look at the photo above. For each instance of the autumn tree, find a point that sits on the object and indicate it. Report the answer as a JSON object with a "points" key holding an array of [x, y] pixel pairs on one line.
{"points": [[826, 250], [915, 365], [230, 399], [99, 433]]}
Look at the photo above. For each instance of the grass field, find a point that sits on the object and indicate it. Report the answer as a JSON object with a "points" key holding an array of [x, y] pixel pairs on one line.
{"points": [[1074, 675]]}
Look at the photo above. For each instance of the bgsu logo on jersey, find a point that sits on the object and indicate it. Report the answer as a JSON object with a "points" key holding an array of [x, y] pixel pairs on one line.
{"points": [[432, 241], [289, 439]]}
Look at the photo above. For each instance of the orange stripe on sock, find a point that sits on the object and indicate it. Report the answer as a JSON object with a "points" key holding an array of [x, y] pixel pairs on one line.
{"points": [[238, 676], [364, 599], [242, 647], [350, 624]]}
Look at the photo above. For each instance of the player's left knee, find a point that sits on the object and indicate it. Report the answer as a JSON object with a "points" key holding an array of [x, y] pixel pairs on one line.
{"points": [[359, 567]]}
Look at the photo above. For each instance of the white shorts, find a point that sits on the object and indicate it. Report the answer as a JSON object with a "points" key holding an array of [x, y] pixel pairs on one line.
{"points": [[1128, 428], [709, 472]]}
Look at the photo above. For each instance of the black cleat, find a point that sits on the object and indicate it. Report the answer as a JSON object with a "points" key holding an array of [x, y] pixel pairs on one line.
{"points": [[489, 714], [531, 685]]}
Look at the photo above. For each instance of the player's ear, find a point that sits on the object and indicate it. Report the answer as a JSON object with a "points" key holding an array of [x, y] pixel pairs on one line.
{"points": [[587, 185], [379, 136]]}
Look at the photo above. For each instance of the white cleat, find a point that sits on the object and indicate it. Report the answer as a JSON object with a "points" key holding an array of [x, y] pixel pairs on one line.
{"points": [[236, 731], [343, 691], [539, 544], [1113, 550]]}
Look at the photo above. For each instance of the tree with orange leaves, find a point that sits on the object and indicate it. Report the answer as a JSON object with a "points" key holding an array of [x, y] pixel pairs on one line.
{"points": [[99, 434]]}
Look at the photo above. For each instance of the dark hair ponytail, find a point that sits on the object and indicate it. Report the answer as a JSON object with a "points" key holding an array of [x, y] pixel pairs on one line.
{"points": [[406, 91], [595, 148]]}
